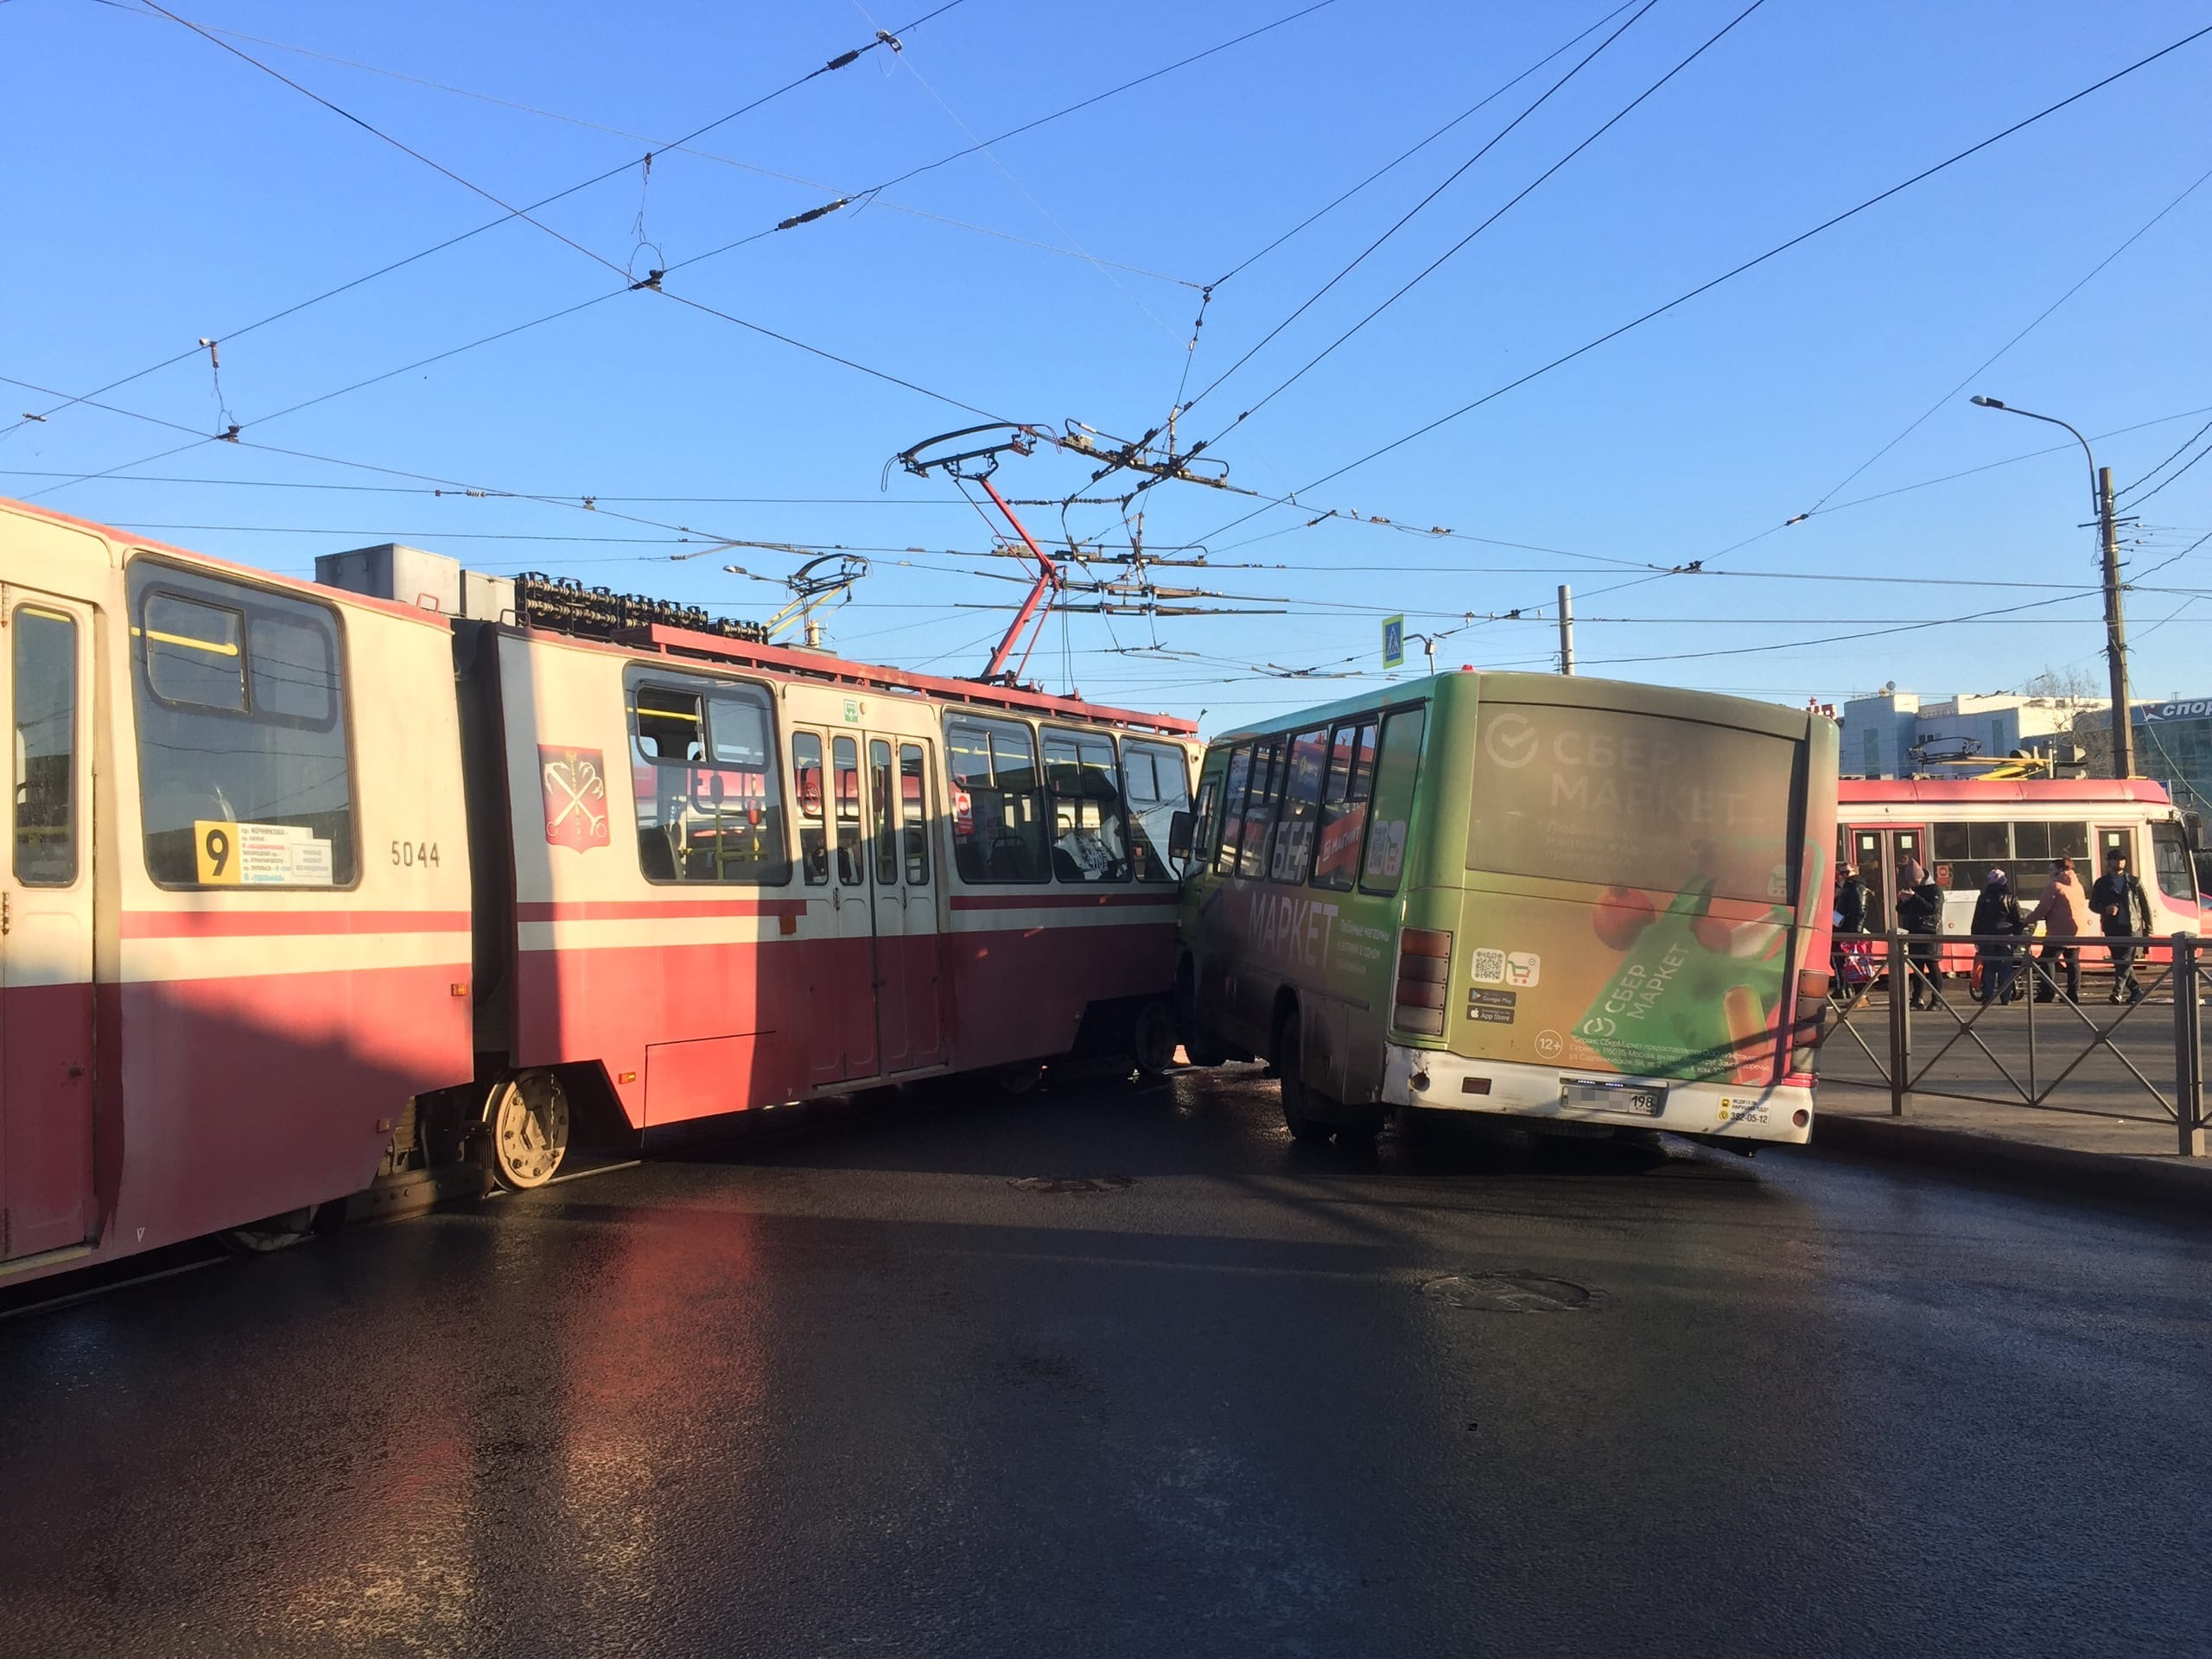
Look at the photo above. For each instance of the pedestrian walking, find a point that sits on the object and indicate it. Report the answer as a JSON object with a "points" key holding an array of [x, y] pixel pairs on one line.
{"points": [[2063, 910], [1851, 902], [1997, 923], [2123, 912], [1920, 913]]}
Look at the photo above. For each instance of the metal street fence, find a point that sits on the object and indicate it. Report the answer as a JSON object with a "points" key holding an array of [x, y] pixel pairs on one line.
{"points": [[1953, 1033]]}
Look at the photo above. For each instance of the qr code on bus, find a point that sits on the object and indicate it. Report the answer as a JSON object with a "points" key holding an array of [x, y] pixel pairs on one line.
{"points": [[1489, 967]]}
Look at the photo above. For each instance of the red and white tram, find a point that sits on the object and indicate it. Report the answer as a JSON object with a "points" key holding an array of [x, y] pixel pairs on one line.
{"points": [[306, 886], [1959, 828]]}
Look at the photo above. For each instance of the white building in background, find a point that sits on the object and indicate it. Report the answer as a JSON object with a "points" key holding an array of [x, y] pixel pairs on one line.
{"points": [[1885, 734]]}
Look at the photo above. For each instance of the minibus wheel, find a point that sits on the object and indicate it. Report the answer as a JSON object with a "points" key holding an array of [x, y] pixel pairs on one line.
{"points": [[528, 1116], [1152, 1040], [1298, 1101]]}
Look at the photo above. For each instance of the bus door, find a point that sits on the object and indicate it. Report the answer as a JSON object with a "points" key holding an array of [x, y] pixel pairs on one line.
{"points": [[46, 929], [839, 935], [908, 970], [1878, 853]]}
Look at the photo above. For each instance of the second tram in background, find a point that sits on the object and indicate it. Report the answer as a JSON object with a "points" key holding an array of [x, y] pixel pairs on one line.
{"points": [[1961, 828], [308, 886], [1586, 906]]}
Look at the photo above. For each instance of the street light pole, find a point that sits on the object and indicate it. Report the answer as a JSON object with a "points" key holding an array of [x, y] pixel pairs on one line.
{"points": [[2123, 736]]}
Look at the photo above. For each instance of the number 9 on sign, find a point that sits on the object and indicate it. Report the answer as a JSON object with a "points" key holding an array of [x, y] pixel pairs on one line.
{"points": [[216, 847]]}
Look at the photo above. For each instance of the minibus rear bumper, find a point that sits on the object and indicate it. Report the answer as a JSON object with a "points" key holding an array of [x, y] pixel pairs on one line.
{"points": [[1437, 1080]]}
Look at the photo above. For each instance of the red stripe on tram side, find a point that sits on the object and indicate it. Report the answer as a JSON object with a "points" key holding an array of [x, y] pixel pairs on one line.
{"points": [[270, 924], [1063, 901], [652, 910]]}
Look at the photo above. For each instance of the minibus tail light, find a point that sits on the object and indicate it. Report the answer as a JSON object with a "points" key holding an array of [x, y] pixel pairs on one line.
{"points": [[1424, 969]]}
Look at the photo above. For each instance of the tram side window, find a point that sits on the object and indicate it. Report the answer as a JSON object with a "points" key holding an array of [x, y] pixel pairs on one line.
{"points": [[1972, 851], [709, 806], [883, 786], [1343, 806], [806, 788], [43, 687], [1396, 767], [1260, 808], [1232, 808], [1308, 767], [244, 770], [846, 753], [914, 814], [1157, 780], [2176, 876], [998, 813], [1088, 840]]}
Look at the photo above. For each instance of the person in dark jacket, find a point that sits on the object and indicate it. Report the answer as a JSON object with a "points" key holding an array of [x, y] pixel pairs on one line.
{"points": [[1920, 912], [1850, 903], [1996, 912], [2122, 910]]}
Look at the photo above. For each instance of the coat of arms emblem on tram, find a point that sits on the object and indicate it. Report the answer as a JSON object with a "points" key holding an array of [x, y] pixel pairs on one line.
{"points": [[575, 786]]}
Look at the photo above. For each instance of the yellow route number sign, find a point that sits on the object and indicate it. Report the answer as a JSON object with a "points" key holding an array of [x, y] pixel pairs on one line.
{"points": [[259, 855]]}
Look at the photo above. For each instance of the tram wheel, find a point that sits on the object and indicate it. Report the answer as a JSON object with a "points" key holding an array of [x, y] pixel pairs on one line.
{"points": [[1298, 1101], [1151, 1042], [529, 1121]]}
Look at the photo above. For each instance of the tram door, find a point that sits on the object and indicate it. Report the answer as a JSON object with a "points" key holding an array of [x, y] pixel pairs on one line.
{"points": [[908, 965], [841, 943], [1878, 853], [46, 928]]}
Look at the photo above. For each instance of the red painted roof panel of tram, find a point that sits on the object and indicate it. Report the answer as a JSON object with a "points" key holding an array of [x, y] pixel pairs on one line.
{"points": [[1934, 791], [818, 666]]}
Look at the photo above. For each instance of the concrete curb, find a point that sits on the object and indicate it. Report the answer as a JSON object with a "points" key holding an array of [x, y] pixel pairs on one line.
{"points": [[2174, 1187]]}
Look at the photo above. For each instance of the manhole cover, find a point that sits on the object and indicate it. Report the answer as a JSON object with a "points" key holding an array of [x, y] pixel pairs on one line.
{"points": [[1073, 1183], [1510, 1292]]}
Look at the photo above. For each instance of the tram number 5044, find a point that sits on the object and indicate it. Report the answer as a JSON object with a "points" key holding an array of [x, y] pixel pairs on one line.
{"points": [[408, 854]]}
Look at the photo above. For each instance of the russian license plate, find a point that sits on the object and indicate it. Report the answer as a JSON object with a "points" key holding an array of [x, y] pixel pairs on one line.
{"points": [[1639, 1099]]}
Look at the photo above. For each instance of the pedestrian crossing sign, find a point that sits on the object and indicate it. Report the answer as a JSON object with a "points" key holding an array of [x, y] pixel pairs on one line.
{"points": [[1393, 642]]}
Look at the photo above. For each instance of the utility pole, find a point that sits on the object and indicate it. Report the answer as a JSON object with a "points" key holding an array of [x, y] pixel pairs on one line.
{"points": [[2123, 737], [1565, 629], [2123, 732]]}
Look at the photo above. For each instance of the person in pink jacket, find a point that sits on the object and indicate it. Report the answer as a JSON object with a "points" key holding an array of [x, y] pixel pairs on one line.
{"points": [[2063, 910]]}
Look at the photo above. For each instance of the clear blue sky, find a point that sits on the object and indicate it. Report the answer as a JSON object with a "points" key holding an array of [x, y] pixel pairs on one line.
{"points": [[161, 189]]}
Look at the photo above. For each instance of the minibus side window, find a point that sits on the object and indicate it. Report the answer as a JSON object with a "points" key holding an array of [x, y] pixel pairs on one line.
{"points": [[1232, 808], [1344, 804], [1260, 808], [1307, 767], [1396, 767]]}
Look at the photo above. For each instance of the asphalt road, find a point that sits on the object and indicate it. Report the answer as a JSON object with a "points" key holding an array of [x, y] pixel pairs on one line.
{"points": [[1122, 1372]]}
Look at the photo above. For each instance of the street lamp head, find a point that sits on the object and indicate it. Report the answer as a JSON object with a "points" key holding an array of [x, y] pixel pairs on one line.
{"points": [[1985, 403]]}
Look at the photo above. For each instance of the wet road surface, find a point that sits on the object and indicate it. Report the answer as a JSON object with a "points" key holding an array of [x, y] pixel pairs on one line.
{"points": [[1114, 1371]]}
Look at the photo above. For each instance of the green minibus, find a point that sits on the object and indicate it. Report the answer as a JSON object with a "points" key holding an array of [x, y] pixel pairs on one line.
{"points": [[1585, 905]]}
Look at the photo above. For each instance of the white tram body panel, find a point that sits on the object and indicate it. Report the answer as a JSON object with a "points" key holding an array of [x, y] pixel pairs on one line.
{"points": [[238, 893]]}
